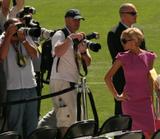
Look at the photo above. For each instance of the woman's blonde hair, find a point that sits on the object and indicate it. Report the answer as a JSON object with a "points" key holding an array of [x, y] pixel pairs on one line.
{"points": [[133, 33]]}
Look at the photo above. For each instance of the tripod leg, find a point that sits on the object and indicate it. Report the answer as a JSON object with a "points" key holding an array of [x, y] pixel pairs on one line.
{"points": [[79, 106], [39, 89], [93, 109]]}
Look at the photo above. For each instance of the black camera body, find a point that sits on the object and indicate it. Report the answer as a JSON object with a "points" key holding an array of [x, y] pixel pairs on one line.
{"points": [[33, 32], [19, 25], [91, 45], [29, 22], [26, 11], [31, 27]]}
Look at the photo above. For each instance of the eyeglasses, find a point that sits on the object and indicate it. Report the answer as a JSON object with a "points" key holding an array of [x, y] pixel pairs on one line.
{"points": [[131, 13], [124, 41]]}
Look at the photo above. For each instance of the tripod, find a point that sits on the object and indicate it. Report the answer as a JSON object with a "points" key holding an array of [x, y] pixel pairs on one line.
{"points": [[82, 99], [82, 110]]}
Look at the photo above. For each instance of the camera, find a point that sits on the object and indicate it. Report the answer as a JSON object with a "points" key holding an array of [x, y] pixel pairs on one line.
{"points": [[29, 22], [26, 15], [91, 45], [31, 27], [46, 33], [19, 25], [26, 11], [93, 35], [33, 32]]}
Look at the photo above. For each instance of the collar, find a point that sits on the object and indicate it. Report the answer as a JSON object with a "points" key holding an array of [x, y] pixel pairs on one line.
{"points": [[68, 30], [125, 25]]}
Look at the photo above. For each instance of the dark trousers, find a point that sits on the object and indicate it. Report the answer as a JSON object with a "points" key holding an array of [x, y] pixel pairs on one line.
{"points": [[39, 90], [3, 93], [118, 111], [118, 107]]}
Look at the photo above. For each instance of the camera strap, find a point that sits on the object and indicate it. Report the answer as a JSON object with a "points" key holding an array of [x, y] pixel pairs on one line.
{"points": [[84, 67], [82, 62], [21, 61], [66, 33]]}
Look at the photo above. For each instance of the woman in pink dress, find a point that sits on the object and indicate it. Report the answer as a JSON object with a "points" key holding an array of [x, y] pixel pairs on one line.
{"points": [[137, 94]]}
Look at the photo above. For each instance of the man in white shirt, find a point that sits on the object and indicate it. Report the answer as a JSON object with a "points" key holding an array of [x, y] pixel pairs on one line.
{"points": [[65, 69]]}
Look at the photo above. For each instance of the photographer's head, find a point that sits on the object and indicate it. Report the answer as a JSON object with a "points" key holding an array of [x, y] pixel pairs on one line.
{"points": [[9, 22], [11, 28], [72, 19]]}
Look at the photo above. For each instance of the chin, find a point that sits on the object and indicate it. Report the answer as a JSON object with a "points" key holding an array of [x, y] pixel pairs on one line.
{"points": [[126, 49]]}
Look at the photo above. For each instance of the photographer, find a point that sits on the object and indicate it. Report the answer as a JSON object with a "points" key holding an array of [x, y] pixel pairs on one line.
{"points": [[33, 30], [66, 72], [16, 52]]}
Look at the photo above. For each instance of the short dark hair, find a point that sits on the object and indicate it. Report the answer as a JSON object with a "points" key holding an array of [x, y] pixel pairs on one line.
{"points": [[9, 22]]}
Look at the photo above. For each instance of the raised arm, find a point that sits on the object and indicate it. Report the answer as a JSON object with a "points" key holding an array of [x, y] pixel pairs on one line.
{"points": [[5, 7], [16, 8], [19, 4], [6, 40]]}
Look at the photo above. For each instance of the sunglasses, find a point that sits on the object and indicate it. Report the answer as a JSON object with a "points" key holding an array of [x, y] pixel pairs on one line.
{"points": [[131, 13], [124, 41]]}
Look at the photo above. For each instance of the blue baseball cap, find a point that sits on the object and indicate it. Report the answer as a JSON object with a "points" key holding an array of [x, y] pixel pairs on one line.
{"points": [[74, 13]]}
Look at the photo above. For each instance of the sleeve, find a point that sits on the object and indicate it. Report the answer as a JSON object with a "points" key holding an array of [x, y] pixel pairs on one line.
{"points": [[111, 42], [1, 38], [152, 57], [120, 56], [5, 7], [57, 38]]}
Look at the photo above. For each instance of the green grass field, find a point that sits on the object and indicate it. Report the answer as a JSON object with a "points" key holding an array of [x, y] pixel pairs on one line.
{"points": [[100, 16]]}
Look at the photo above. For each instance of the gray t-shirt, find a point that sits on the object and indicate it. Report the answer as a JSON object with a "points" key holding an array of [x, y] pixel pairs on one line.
{"points": [[19, 77]]}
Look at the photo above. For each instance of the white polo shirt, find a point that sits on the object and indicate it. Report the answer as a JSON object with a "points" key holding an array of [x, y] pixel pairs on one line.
{"points": [[67, 68]]}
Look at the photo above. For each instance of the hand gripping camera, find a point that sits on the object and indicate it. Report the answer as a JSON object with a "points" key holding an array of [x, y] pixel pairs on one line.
{"points": [[91, 45]]}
